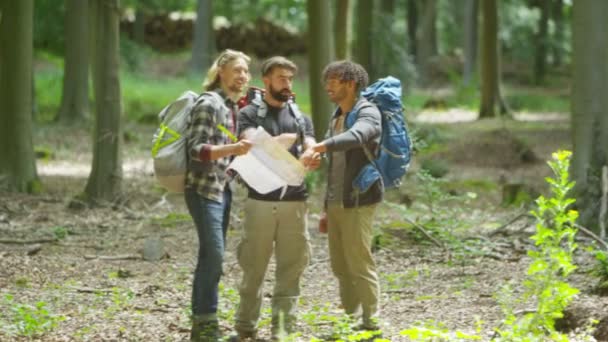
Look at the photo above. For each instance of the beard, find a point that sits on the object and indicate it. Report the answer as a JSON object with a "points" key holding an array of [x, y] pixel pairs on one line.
{"points": [[280, 95]]}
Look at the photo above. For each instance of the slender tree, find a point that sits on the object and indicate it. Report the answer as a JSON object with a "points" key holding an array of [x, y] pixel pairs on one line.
{"points": [[589, 106], [320, 53], [558, 36], [203, 46], [104, 183], [139, 26], [388, 6], [470, 40], [17, 161], [363, 47], [412, 25], [426, 40], [489, 59], [75, 95], [342, 28], [541, 42]]}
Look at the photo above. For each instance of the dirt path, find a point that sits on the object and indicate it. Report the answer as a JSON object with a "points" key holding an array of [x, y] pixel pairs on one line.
{"points": [[137, 300]]}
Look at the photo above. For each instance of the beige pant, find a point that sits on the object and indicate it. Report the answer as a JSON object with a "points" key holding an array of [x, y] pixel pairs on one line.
{"points": [[350, 235], [281, 226]]}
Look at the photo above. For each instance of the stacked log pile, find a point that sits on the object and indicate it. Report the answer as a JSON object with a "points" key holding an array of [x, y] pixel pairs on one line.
{"points": [[261, 38]]}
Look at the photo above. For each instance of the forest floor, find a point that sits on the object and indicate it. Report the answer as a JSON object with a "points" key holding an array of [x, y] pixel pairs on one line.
{"points": [[67, 283]]}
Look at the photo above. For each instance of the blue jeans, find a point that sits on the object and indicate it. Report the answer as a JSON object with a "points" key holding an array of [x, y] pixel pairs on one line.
{"points": [[211, 220]]}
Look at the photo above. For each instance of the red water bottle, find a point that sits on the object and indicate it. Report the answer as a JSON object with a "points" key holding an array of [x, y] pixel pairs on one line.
{"points": [[323, 223]]}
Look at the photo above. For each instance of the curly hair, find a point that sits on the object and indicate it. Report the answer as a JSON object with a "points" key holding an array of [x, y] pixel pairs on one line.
{"points": [[346, 71]]}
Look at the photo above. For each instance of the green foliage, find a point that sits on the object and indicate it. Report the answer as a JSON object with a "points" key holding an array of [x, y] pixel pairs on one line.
{"points": [[27, 320], [313, 179], [132, 54], [172, 219], [436, 168], [341, 326], [465, 95], [539, 101], [600, 270], [433, 331], [49, 32], [288, 13], [160, 6], [228, 302], [545, 284], [391, 56], [60, 232]]}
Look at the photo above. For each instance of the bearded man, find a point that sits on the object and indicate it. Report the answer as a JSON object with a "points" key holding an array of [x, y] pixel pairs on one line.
{"points": [[276, 220]]}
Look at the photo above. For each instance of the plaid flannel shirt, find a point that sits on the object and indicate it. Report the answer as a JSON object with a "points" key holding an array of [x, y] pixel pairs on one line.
{"points": [[208, 177]]}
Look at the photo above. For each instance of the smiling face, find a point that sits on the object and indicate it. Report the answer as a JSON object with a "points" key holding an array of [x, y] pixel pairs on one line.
{"points": [[234, 76], [339, 90], [278, 83]]}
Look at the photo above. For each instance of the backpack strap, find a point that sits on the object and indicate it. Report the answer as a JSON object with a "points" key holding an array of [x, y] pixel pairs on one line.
{"points": [[355, 111], [300, 125], [262, 111]]}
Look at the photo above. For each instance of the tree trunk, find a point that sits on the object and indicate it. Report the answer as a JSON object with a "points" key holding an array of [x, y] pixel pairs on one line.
{"points": [[388, 6], [17, 161], [139, 26], [203, 46], [363, 50], [412, 26], [589, 106], [426, 40], [104, 183], [489, 59], [342, 28], [558, 20], [470, 40], [320, 54], [542, 42], [75, 97]]}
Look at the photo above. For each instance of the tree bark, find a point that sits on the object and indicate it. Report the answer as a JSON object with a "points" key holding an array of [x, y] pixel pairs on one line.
{"points": [[104, 182], [470, 40], [139, 26], [388, 6], [542, 42], [426, 40], [75, 96], [489, 59], [363, 50], [589, 106], [203, 46], [558, 20], [17, 161], [412, 26], [342, 28], [320, 54]]}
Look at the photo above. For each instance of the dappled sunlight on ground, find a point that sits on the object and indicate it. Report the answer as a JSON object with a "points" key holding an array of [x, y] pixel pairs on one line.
{"points": [[130, 167], [455, 115]]}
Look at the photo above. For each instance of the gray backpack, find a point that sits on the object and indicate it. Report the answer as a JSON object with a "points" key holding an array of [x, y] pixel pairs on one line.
{"points": [[169, 144]]}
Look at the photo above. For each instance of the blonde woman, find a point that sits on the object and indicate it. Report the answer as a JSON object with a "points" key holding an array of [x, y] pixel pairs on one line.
{"points": [[207, 193]]}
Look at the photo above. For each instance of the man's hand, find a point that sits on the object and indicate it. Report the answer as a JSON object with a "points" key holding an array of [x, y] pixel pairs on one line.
{"points": [[286, 139], [319, 147], [311, 159], [241, 147]]}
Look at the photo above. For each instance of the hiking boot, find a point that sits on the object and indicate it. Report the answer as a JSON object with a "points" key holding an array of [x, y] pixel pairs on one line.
{"points": [[205, 332], [369, 324]]}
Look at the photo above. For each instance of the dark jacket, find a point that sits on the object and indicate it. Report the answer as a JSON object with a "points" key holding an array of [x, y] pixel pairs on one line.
{"points": [[366, 130]]}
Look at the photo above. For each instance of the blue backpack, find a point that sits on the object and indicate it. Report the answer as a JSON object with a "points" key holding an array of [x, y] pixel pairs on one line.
{"points": [[393, 158]]}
